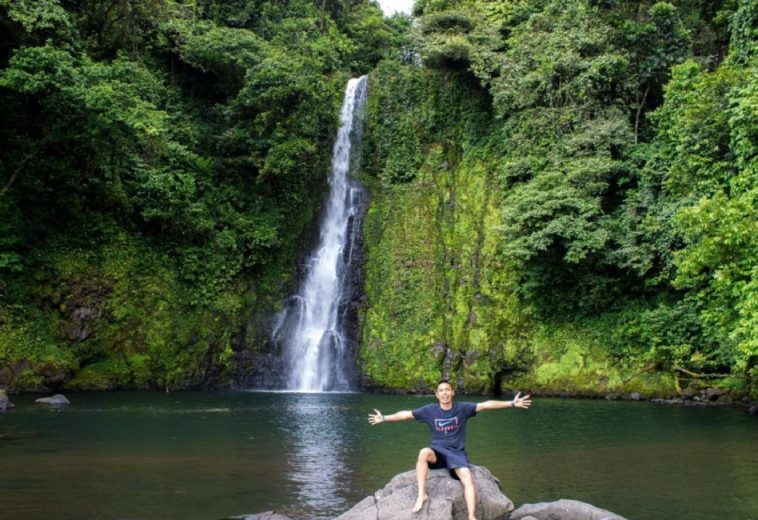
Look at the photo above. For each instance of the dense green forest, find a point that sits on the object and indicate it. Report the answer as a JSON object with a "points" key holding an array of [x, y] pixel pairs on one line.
{"points": [[161, 166], [563, 192], [580, 179]]}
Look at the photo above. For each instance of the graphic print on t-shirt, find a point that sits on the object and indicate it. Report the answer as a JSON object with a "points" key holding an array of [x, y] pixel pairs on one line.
{"points": [[448, 426]]}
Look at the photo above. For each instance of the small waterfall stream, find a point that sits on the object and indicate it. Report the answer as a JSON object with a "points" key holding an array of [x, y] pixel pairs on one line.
{"points": [[311, 329]]}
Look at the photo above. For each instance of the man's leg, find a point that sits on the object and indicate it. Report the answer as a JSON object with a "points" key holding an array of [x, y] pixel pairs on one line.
{"points": [[469, 491], [425, 457]]}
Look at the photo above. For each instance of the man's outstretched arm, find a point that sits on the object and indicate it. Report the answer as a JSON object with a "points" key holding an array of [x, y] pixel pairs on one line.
{"points": [[517, 402], [377, 417]]}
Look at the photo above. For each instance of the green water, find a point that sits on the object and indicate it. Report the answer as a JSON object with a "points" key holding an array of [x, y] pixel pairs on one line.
{"points": [[211, 455]]}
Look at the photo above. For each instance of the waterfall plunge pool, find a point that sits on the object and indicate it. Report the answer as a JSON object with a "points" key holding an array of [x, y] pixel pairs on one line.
{"points": [[139, 455]]}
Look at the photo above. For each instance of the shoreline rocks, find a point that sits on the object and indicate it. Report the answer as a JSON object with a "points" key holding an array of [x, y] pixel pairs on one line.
{"points": [[5, 403]]}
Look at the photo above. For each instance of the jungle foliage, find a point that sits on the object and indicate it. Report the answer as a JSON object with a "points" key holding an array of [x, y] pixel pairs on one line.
{"points": [[579, 180], [161, 165], [563, 192]]}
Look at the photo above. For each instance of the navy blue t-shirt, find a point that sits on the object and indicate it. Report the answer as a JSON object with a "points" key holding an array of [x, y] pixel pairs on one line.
{"points": [[448, 427]]}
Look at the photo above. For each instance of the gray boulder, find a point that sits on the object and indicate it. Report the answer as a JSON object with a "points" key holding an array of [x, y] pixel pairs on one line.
{"points": [[563, 510], [395, 500], [712, 394], [5, 403], [56, 400], [268, 515]]}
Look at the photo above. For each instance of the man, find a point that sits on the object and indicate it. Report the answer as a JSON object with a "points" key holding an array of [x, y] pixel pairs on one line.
{"points": [[447, 423]]}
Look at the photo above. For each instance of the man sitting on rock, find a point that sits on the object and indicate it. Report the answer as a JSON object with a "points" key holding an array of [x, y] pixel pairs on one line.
{"points": [[447, 422]]}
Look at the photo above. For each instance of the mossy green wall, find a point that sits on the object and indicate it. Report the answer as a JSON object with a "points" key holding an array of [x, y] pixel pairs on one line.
{"points": [[440, 302], [119, 317], [440, 299]]}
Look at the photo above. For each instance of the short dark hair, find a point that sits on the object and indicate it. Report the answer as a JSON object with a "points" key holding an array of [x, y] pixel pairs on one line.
{"points": [[445, 381]]}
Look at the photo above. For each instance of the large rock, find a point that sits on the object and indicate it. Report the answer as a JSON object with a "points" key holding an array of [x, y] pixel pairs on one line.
{"points": [[268, 515], [5, 403], [712, 394], [56, 400], [563, 510], [446, 501]]}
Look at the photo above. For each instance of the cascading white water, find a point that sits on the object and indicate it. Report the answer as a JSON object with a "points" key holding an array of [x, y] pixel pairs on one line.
{"points": [[310, 327]]}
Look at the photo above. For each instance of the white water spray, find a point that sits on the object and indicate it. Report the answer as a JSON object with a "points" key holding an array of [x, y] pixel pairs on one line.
{"points": [[310, 327]]}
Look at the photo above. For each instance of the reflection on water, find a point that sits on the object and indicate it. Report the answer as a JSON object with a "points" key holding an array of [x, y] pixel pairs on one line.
{"points": [[206, 456], [316, 448]]}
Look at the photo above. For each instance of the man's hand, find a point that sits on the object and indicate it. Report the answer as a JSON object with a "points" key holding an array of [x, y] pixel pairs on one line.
{"points": [[517, 402], [375, 418], [521, 402]]}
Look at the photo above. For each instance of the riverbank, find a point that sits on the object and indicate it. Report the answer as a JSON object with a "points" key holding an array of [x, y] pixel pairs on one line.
{"points": [[711, 397], [692, 396]]}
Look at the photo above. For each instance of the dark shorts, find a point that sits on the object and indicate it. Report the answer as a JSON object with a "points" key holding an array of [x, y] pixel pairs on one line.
{"points": [[449, 459]]}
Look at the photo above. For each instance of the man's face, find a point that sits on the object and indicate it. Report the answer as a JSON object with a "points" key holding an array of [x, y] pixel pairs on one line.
{"points": [[444, 393]]}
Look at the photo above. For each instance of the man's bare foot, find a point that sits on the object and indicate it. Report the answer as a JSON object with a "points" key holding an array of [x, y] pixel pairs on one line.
{"points": [[419, 503]]}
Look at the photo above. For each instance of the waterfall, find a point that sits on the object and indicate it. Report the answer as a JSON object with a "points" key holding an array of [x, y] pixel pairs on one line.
{"points": [[311, 329]]}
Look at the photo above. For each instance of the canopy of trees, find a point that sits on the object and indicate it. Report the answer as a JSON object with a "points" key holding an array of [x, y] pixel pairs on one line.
{"points": [[564, 190], [162, 162], [619, 141]]}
